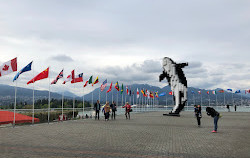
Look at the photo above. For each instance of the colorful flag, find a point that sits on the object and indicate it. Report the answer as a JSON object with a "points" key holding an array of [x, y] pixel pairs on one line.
{"points": [[70, 77], [127, 90], [230, 90], [170, 93], [40, 76], [156, 94], [60, 75], [199, 92], [207, 92], [117, 86], [110, 88], [162, 94], [26, 68], [8, 67], [148, 94], [96, 81], [138, 93], [122, 89], [214, 92], [151, 94], [247, 91], [238, 91], [86, 83], [221, 91], [78, 79], [104, 85], [90, 80], [142, 91]]}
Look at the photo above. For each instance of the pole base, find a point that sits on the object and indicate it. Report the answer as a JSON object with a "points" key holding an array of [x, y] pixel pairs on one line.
{"points": [[172, 114]]}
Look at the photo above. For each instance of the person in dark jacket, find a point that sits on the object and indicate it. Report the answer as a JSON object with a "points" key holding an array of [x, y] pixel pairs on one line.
{"points": [[228, 108], [235, 107], [213, 113], [97, 108], [113, 107], [197, 111]]}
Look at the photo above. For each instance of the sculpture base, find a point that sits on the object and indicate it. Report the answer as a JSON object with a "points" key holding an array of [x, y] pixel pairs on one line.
{"points": [[172, 114]]}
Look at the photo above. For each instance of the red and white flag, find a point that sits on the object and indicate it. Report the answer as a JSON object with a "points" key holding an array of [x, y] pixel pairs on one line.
{"points": [[8, 67], [127, 90], [86, 83], [138, 93], [78, 79], [110, 88], [70, 77], [170, 93]]}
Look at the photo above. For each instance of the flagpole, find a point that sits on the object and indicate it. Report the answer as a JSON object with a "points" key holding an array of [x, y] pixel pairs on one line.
{"points": [[106, 97], [74, 101], [117, 98], [83, 102], [49, 102], [241, 99], [232, 99], [125, 98], [133, 99], [33, 96], [166, 101], [14, 120], [201, 99], [224, 98], [209, 99], [92, 100], [216, 99], [122, 99], [112, 96], [100, 95], [62, 102]]}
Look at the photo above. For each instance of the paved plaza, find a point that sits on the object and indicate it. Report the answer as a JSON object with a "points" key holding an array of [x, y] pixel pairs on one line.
{"points": [[145, 135]]}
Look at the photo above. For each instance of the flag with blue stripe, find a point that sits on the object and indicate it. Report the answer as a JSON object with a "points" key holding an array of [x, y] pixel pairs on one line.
{"points": [[26, 68], [162, 94]]}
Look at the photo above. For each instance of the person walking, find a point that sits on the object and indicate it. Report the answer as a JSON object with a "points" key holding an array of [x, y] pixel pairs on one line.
{"points": [[197, 111], [235, 107], [113, 107], [213, 113], [228, 108], [106, 111], [128, 109], [97, 108]]}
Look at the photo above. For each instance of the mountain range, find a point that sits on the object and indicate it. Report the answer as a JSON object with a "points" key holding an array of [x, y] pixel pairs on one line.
{"points": [[25, 95]]}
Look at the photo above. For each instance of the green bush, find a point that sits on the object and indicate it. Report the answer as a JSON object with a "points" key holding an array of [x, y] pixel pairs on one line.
{"points": [[43, 116]]}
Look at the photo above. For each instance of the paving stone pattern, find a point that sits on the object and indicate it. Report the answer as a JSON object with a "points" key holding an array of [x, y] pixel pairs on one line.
{"points": [[146, 135]]}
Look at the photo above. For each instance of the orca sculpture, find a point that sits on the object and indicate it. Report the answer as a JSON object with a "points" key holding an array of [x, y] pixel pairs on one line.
{"points": [[178, 83]]}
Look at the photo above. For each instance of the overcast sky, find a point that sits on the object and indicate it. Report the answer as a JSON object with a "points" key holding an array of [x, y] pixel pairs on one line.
{"points": [[125, 41]]}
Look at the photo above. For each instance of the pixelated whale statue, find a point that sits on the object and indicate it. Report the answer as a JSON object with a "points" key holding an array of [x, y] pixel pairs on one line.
{"points": [[178, 83]]}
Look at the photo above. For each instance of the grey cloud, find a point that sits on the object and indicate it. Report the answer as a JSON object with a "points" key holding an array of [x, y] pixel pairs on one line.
{"points": [[148, 71], [62, 58]]}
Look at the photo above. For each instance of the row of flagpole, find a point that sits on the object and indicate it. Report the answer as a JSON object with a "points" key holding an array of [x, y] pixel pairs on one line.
{"points": [[45, 74]]}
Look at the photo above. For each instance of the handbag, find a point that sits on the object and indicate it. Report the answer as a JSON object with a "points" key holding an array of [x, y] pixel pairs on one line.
{"points": [[200, 116]]}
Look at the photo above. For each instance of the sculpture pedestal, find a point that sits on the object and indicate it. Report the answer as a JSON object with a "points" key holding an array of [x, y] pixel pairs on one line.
{"points": [[172, 114]]}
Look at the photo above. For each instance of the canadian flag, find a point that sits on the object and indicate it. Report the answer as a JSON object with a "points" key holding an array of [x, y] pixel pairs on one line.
{"points": [[8, 67], [70, 77]]}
